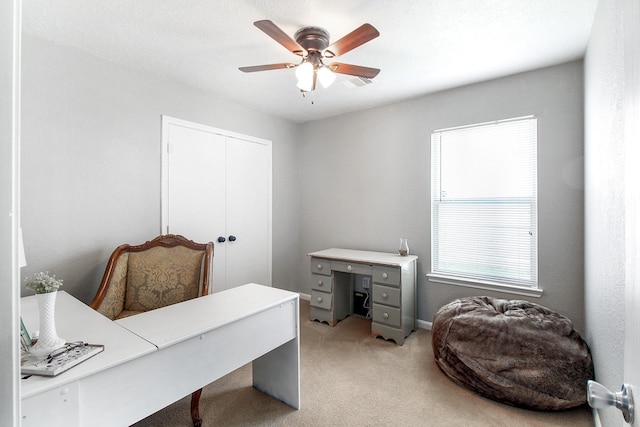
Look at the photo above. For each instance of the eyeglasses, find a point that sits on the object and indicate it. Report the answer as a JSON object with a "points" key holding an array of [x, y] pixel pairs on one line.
{"points": [[64, 350]]}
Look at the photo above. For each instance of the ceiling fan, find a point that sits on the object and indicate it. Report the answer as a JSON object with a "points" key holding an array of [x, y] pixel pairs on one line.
{"points": [[312, 44]]}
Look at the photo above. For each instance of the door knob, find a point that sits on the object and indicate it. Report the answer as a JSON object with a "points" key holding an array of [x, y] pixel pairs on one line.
{"points": [[221, 239], [600, 397], [232, 238]]}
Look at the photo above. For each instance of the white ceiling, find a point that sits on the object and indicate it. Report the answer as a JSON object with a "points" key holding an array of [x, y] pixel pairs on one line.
{"points": [[424, 45]]}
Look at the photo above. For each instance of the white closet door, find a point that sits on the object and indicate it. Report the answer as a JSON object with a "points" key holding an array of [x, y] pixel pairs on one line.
{"points": [[248, 174], [217, 186], [196, 190]]}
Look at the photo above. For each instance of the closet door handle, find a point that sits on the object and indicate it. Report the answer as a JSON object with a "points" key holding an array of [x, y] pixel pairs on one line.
{"points": [[232, 238], [221, 239]]}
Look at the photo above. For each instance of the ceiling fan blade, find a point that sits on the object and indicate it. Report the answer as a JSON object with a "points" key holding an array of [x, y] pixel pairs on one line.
{"points": [[267, 67], [273, 31], [357, 37], [354, 70]]}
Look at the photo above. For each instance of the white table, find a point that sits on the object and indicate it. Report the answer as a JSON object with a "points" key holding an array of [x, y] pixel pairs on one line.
{"points": [[154, 359]]}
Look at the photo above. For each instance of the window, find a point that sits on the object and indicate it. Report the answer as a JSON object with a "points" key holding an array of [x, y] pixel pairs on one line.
{"points": [[484, 202]]}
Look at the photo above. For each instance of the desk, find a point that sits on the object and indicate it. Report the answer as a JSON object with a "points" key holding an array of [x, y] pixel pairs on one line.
{"points": [[154, 359], [393, 289]]}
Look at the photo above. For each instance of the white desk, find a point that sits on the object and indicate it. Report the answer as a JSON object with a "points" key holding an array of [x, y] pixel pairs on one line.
{"points": [[55, 401], [155, 358]]}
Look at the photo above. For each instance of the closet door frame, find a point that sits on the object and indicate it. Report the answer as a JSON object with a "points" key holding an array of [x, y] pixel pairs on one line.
{"points": [[167, 122]]}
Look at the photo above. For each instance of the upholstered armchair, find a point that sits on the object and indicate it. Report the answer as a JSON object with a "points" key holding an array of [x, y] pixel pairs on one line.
{"points": [[166, 270]]}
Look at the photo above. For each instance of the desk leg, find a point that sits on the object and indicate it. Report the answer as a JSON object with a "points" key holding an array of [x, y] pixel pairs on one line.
{"points": [[277, 373]]}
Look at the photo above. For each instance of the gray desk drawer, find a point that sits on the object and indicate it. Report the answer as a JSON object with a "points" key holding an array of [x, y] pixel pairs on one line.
{"points": [[351, 267], [321, 300], [385, 314], [321, 266], [321, 283], [386, 295], [386, 275]]}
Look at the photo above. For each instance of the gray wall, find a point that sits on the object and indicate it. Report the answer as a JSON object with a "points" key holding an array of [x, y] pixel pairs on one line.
{"points": [[91, 170], [91, 162], [366, 179], [604, 198]]}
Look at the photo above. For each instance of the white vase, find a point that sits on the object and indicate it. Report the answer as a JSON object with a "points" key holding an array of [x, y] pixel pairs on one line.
{"points": [[48, 339]]}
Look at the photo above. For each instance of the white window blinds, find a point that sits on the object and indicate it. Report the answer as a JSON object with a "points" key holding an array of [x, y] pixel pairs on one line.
{"points": [[484, 202]]}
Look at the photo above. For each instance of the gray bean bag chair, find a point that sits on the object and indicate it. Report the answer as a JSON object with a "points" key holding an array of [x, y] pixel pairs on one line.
{"points": [[515, 352]]}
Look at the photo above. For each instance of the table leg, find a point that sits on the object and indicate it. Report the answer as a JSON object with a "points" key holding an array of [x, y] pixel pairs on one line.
{"points": [[277, 373]]}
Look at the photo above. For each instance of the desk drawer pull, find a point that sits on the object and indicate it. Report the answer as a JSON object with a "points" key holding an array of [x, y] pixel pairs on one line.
{"points": [[387, 315], [321, 283], [320, 266], [320, 299], [350, 268], [387, 275], [386, 295]]}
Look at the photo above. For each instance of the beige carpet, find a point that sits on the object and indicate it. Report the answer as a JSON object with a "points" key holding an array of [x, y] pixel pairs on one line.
{"points": [[349, 378]]}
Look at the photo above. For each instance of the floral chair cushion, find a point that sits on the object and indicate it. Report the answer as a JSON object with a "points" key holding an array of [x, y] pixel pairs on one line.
{"points": [[162, 276]]}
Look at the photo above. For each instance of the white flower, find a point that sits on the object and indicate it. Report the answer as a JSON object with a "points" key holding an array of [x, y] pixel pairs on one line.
{"points": [[42, 283]]}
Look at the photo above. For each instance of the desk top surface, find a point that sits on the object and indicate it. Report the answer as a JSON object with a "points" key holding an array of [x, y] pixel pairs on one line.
{"points": [[123, 340], [76, 321], [174, 323], [352, 255]]}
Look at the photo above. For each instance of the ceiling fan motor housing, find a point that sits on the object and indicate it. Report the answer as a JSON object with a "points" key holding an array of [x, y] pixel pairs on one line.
{"points": [[312, 38]]}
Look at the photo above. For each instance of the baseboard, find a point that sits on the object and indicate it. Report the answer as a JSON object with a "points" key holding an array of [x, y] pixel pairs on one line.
{"points": [[422, 324]]}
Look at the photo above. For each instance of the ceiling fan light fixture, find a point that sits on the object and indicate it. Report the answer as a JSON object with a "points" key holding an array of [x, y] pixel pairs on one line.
{"points": [[304, 71], [304, 74], [326, 76], [305, 86]]}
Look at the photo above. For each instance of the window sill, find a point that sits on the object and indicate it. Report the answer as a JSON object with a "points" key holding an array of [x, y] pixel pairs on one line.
{"points": [[487, 286]]}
